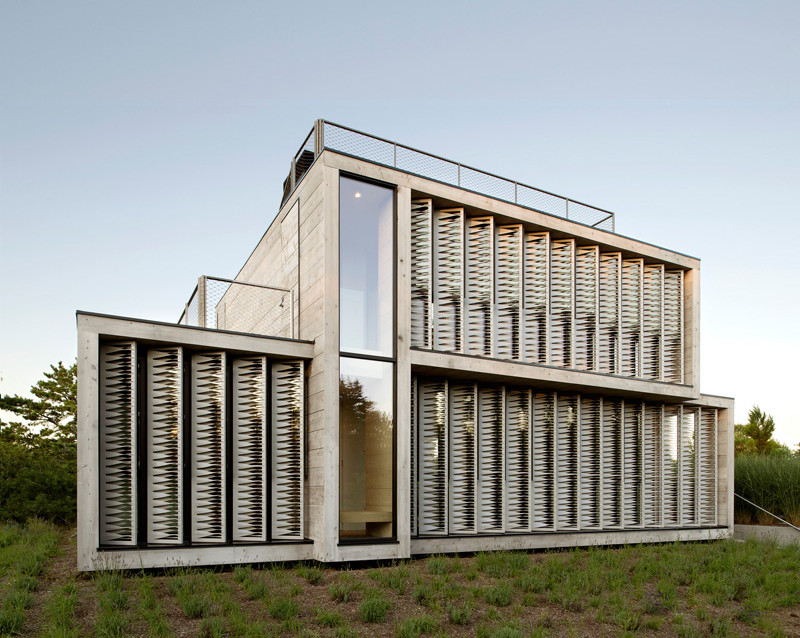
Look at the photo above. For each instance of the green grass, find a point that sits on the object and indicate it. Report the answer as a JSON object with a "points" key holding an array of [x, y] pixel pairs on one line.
{"points": [[311, 574], [344, 589], [328, 618], [414, 627], [283, 608], [150, 608], [373, 609], [773, 482]]}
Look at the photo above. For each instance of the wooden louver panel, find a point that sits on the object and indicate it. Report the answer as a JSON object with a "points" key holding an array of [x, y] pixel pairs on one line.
{"points": [[421, 272], [249, 448], [561, 301], [612, 462], [508, 291], [670, 465], [543, 461], [632, 485], [688, 469], [118, 443], [586, 299], [518, 460], [652, 317], [673, 326], [633, 477], [433, 457], [414, 496], [609, 313], [463, 458], [707, 471], [479, 286], [448, 271], [631, 318], [651, 446], [165, 446], [590, 459], [208, 425], [537, 294], [566, 462], [491, 461], [288, 403]]}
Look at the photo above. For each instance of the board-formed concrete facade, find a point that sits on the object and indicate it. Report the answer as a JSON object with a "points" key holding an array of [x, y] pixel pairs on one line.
{"points": [[540, 389]]}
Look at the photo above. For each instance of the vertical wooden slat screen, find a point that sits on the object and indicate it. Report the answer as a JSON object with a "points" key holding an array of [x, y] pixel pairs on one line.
{"points": [[508, 292], [586, 310], [633, 476], [609, 313], [463, 473], [288, 407], [448, 270], [670, 465], [479, 303], [249, 391], [543, 463], [566, 462], [708, 466], [631, 318], [590, 461], [421, 272], [432, 439], [117, 385], [562, 275], [612, 462], [165, 446], [651, 445], [208, 445], [491, 459], [673, 326], [652, 319], [688, 469], [537, 297], [518, 460]]}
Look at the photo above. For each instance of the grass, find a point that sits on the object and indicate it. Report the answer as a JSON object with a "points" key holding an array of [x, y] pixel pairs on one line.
{"points": [[773, 482], [373, 609], [690, 589], [24, 550]]}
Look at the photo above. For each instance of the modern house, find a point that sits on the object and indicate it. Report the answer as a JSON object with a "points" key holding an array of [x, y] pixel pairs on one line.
{"points": [[417, 357]]}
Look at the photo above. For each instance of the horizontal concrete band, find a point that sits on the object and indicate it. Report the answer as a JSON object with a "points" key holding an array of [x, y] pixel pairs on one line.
{"points": [[576, 539]]}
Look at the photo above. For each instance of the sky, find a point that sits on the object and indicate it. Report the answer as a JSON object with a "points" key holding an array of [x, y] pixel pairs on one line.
{"points": [[143, 144]]}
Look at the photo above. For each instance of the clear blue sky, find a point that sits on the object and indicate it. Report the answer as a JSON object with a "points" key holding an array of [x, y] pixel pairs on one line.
{"points": [[143, 144]]}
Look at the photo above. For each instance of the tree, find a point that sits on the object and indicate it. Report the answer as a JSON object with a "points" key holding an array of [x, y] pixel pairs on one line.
{"points": [[755, 436], [38, 452]]}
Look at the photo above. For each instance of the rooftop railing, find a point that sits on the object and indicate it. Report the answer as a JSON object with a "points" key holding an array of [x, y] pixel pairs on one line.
{"points": [[348, 141], [240, 306]]}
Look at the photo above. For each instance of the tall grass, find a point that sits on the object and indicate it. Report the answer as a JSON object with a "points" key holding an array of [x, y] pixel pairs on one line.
{"points": [[773, 482]]}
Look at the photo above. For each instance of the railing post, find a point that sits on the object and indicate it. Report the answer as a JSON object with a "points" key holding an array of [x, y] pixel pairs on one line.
{"points": [[566, 201], [516, 201], [459, 175], [201, 301], [395, 154]]}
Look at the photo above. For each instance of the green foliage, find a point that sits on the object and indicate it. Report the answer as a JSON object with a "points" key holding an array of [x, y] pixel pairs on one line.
{"points": [[38, 453], [773, 482], [414, 627], [283, 609], [755, 436], [373, 609], [328, 618], [459, 614], [311, 573]]}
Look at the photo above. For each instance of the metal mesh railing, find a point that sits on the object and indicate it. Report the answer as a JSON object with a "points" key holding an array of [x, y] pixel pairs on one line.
{"points": [[225, 304], [380, 151]]}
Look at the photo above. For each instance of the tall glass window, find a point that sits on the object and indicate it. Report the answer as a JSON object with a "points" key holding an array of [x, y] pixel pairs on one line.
{"points": [[366, 268], [366, 343]]}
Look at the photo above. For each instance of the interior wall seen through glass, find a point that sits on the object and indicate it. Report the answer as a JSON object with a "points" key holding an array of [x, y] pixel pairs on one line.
{"points": [[366, 442], [366, 268]]}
